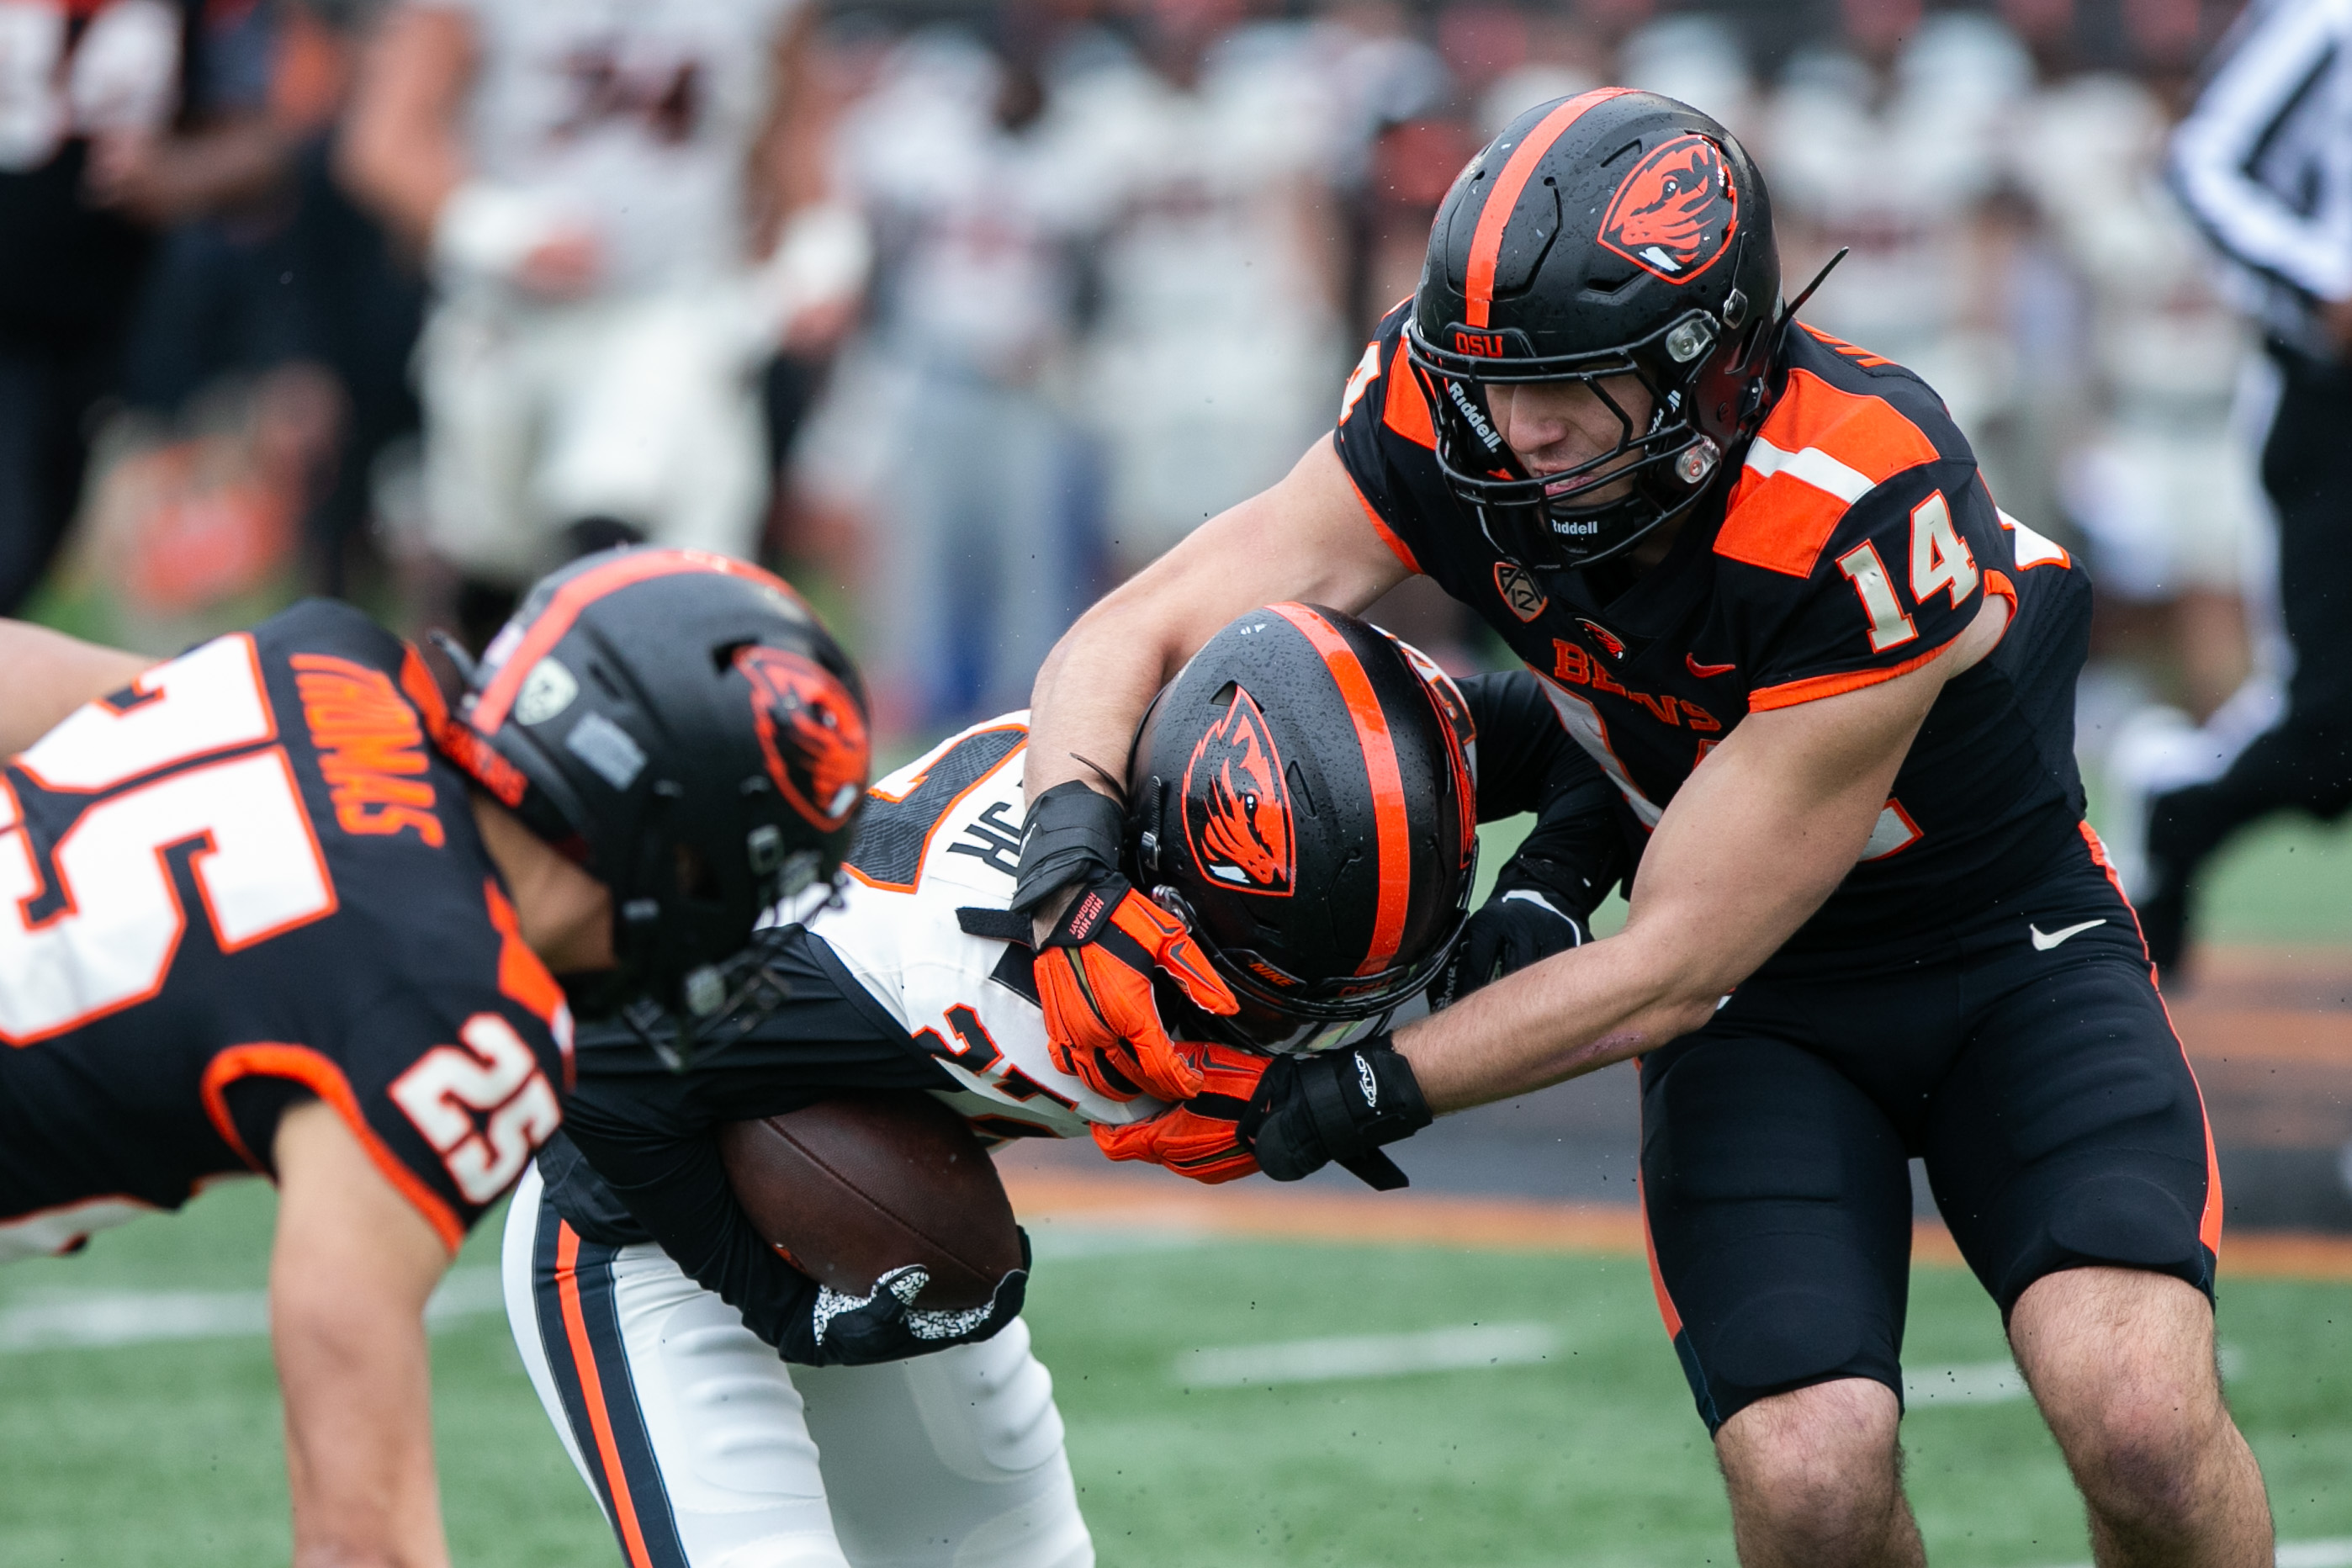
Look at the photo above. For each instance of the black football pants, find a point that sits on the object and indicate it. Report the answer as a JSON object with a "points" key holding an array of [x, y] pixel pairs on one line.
{"points": [[2022, 1054]]}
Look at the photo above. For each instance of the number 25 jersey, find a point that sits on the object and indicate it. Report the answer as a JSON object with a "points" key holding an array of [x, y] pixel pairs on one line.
{"points": [[246, 878]]}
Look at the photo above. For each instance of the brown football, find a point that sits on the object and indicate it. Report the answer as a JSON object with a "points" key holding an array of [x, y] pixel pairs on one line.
{"points": [[856, 1186]]}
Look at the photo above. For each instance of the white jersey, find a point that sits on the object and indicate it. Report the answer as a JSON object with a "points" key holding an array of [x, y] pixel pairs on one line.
{"points": [[635, 116], [939, 835]]}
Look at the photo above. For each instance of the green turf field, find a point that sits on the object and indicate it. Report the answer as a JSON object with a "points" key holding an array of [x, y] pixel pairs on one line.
{"points": [[167, 1454]]}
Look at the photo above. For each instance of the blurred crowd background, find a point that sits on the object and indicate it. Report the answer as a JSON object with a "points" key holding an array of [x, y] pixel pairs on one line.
{"points": [[1050, 281]]}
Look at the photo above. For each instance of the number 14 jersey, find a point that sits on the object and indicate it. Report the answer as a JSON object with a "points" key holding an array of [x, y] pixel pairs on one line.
{"points": [[1854, 542], [246, 879]]}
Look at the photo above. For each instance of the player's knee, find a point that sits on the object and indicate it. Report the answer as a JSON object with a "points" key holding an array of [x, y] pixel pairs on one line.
{"points": [[1004, 1396], [1047, 1531], [1816, 1462], [2139, 1459]]}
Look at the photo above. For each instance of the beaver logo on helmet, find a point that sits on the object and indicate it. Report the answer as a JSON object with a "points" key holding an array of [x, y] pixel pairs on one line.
{"points": [[811, 733], [1674, 215], [1237, 807]]}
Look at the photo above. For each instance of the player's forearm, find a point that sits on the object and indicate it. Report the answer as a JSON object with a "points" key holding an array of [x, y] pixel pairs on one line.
{"points": [[1305, 538], [1755, 842], [50, 676], [1570, 1014], [359, 1442], [1089, 694], [350, 1273]]}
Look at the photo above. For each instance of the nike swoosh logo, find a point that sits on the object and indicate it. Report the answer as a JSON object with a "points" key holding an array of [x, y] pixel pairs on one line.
{"points": [[1706, 671], [2044, 940]]}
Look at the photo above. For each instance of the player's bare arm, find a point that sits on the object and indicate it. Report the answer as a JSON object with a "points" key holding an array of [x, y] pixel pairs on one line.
{"points": [[50, 676], [1761, 834], [1305, 538], [348, 1276]]}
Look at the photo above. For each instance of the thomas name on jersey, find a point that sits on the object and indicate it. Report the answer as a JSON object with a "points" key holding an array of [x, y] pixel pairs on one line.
{"points": [[247, 877]]}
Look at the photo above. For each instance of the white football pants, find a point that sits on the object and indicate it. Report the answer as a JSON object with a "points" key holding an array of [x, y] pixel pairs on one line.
{"points": [[707, 1451], [642, 409]]}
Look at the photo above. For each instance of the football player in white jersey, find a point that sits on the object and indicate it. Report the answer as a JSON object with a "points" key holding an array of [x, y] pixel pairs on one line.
{"points": [[1304, 792], [591, 182]]}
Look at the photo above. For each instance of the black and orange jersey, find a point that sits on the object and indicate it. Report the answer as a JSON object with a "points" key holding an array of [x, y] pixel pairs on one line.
{"points": [[248, 877], [1855, 542]]}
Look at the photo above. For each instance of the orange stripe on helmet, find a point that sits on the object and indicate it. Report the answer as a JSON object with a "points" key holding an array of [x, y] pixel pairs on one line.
{"points": [[1392, 829], [636, 566], [1486, 240]]}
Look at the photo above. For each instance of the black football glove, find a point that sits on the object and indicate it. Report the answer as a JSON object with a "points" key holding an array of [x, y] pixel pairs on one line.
{"points": [[1508, 933], [1335, 1106], [834, 1330]]}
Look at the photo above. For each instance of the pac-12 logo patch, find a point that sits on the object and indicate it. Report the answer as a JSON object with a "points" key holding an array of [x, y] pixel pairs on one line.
{"points": [[1237, 806], [1520, 590], [1674, 215], [812, 733]]}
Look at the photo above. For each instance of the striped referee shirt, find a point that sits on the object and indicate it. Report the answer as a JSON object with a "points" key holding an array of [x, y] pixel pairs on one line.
{"points": [[2264, 162]]}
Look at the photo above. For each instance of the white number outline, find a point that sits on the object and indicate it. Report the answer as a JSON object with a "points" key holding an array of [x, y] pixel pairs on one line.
{"points": [[1941, 562], [495, 1073], [1889, 627], [209, 700]]}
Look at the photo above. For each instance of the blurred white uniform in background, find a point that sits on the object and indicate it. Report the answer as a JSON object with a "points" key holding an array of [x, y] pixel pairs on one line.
{"points": [[1898, 176], [947, 429], [632, 121], [1218, 338], [2161, 482]]}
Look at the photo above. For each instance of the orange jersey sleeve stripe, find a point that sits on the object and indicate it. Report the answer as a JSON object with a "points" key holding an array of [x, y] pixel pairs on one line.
{"points": [[1822, 450], [1403, 408], [1814, 687], [268, 1058], [1397, 547], [637, 566], [592, 1394], [1486, 239], [1390, 826]]}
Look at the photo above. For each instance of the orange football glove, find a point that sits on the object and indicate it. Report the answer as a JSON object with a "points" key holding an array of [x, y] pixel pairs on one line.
{"points": [[1094, 981], [1201, 1138]]}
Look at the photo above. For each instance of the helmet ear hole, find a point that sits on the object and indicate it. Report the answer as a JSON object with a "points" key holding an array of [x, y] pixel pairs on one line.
{"points": [[697, 877]]}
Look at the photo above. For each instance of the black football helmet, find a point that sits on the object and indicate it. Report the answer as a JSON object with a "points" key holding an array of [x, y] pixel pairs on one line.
{"points": [[1301, 797], [1614, 234], [682, 726]]}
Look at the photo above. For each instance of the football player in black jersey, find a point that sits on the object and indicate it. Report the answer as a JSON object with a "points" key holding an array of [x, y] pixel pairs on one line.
{"points": [[273, 908], [1767, 590], [651, 1315]]}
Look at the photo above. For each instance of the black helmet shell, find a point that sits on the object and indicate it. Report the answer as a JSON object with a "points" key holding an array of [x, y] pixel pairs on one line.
{"points": [[681, 725], [1610, 234], [1303, 800]]}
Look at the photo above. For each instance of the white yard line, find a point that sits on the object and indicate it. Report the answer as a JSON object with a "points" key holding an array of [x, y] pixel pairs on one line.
{"points": [[1368, 1356], [1975, 1383], [1999, 1381], [1060, 1241], [81, 1321], [2335, 1553]]}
